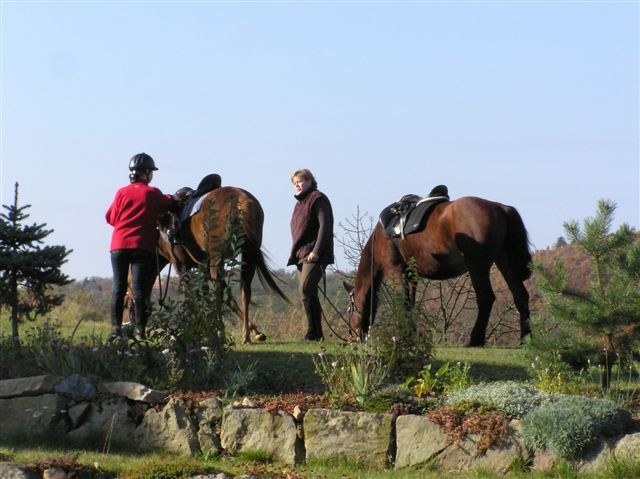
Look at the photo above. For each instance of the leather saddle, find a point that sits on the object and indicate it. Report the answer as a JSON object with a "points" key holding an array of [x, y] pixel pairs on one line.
{"points": [[410, 212], [190, 201]]}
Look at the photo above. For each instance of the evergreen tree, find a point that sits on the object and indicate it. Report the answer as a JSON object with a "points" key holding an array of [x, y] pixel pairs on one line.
{"points": [[27, 269], [602, 322]]}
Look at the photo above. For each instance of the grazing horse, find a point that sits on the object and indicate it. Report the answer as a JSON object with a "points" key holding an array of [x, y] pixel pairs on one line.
{"points": [[468, 234], [207, 237]]}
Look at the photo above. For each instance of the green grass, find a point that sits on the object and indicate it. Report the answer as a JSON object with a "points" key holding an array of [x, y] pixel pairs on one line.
{"points": [[148, 466], [488, 364]]}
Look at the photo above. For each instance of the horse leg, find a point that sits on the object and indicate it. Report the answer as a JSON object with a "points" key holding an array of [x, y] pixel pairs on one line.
{"points": [[520, 298], [246, 277], [485, 297]]}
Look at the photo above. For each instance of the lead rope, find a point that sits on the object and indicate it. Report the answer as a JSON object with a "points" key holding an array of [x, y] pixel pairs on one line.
{"points": [[323, 290], [372, 293], [162, 295]]}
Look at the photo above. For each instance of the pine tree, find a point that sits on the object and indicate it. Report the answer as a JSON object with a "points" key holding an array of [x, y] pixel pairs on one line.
{"points": [[28, 269], [602, 321]]}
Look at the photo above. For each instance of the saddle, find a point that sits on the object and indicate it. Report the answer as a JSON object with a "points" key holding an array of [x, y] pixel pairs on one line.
{"points": [[410, 212], [190, 201]]}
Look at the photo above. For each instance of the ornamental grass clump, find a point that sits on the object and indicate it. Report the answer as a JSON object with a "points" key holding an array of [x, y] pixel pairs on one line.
{"points": [[571, 425], [512, 398]]}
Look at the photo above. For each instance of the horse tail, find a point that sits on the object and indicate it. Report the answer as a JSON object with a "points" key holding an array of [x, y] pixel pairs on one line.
{"points": [[266, 276], [517, 244]]}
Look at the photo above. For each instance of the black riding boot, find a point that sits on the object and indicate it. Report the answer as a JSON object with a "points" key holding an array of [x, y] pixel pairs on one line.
{"points": [[140, 333], [116, 332], [313, 311], [141, 322], [116, 319]]}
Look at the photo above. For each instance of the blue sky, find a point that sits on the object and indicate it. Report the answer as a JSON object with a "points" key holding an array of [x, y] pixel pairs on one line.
{"points": [[533, 104]]}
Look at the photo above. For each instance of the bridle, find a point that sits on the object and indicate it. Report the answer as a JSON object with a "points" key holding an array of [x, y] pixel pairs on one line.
{"points": [[352, 308]]}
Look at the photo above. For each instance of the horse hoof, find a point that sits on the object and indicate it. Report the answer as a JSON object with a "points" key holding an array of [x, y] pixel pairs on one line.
{"points": [[474, 344], [260, 337]]}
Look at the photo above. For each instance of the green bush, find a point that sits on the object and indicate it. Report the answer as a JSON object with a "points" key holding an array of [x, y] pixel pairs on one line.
{"points": [[512, 398], [190, 331], [571, 425]]}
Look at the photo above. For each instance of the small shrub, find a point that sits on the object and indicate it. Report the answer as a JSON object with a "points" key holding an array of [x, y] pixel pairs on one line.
{"points": [[554, 375], [403, 335], [239, 379], [355, 374], [446, 379], [512, 398], [571, 425], [16, 360]]}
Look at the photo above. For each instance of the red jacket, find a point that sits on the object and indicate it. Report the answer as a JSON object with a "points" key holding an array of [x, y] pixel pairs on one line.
{"points": [[134, 215]]}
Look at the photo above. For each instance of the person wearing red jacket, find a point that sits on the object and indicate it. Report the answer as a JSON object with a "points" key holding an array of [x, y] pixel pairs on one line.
{"points": [[134, 215]]}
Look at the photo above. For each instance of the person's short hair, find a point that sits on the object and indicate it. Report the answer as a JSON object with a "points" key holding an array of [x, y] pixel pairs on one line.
{"points": [[305, 174]]}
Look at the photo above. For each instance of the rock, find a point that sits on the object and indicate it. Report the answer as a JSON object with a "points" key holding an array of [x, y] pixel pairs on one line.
{"points": [[31, 386], [209, 415], [32, 414], [259, 430], [628, 447], [78, 413], [170, 430], [463, 455], [135, 392], [104, 423], [418, 441], [54, 473], [543, 461], [14, 471], [297, 413], [77, 388], [357, 436]]}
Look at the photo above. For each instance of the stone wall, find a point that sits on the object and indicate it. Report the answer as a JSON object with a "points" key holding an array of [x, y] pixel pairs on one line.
{"points": [[127, 414]]}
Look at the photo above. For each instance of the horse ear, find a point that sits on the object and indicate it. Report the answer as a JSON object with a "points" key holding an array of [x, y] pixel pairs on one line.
{"points": [[347, 286]]}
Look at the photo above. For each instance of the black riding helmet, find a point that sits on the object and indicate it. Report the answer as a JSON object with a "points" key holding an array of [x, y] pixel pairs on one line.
{"points": [[142, 162]]}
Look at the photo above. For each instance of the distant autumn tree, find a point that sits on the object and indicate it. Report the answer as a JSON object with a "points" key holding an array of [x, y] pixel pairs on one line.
{"points": [[28, 270], [599, 322]]}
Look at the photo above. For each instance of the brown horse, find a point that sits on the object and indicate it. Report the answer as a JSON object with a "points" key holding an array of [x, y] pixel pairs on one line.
{"points": [[465, 235], [207, 238]]}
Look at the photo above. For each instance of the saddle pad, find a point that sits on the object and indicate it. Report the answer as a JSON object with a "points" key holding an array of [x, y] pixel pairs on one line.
{"points": [[191, 207]]}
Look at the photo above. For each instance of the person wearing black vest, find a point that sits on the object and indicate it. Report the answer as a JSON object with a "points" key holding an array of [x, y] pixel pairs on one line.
{"points": [[312, 249]]}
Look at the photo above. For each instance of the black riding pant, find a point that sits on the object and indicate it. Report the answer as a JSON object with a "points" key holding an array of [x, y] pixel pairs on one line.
{"points": [[143, 270]]}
